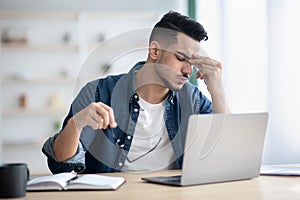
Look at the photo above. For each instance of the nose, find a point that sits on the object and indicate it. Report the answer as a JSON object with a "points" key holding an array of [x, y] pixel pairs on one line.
{"points": [[187, 68]]}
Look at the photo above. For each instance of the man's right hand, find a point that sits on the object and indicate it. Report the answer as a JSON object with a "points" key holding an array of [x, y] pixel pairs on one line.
{"points": [[96, 115]]}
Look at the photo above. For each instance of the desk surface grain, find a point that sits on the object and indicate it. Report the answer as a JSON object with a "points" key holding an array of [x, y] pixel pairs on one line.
{"points": [[263, 187]]}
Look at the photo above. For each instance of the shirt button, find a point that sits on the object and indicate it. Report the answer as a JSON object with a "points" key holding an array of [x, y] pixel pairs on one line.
{"points": [[79, 168], [120, 164], [129, 137], [135, 110]]}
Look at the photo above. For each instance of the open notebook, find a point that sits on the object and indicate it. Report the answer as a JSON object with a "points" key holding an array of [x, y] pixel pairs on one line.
{"points": [[72, 181], [280, 170]]}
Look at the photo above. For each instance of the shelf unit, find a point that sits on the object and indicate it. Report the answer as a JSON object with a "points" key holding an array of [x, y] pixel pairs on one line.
{"points": [[40, 47], [52, 60], [33, 112]]}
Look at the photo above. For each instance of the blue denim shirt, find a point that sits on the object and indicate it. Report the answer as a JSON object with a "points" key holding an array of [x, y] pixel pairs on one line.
{"points": [[106, 150]]}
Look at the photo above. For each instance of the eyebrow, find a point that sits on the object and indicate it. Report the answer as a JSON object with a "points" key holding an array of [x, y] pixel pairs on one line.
{"points": [[184, 55]]}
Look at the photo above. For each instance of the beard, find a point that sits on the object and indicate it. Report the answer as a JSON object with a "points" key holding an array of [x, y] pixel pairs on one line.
{"points": [[170, 78]]}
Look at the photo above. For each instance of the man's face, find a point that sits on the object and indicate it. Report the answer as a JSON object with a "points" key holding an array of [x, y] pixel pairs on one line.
{"points": [[174, 67]]}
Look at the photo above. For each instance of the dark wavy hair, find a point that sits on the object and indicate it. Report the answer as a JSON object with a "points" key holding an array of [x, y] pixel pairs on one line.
{"points": [[172, 23]]}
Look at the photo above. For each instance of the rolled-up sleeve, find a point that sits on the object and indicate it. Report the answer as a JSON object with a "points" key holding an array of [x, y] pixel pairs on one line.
{"points": [[76, 163]]}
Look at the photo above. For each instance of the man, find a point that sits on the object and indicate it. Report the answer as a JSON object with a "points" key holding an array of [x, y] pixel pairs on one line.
{"points": [[137, 121]]}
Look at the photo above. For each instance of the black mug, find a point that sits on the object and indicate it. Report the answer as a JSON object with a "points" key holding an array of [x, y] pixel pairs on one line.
{"points": [[13, 180]]}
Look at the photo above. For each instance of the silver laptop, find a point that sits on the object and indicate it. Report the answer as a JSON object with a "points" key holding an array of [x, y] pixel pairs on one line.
{"points": [[219, 148]]}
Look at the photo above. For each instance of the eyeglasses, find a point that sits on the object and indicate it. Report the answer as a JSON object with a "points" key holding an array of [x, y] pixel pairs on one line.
{"points": [[143, 155], [139, 157]]}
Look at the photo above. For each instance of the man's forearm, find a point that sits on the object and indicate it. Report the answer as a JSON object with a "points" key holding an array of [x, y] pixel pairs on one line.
{"points": [[219, 103], [66, 143]]}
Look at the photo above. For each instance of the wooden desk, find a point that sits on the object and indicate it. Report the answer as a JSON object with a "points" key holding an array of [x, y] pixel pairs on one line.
{"points": [[264, 187]]}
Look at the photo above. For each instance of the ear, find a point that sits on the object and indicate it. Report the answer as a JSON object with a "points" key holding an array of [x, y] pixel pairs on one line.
{"points": [[154, 50]]}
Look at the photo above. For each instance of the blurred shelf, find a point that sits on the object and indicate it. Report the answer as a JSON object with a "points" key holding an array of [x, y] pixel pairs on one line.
{"points": [[38, 15], [32, 112], [38, 47], [21, 144], [69, 15], [28, 151], [45, 80]]}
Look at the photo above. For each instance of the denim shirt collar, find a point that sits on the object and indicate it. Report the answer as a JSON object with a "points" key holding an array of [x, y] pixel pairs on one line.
{"points": [[131, 77]]}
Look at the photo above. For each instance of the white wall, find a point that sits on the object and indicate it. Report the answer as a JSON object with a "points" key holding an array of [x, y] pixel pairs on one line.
{"points": [[283, 144], [257, 42], [238, 38], [85, 5]]}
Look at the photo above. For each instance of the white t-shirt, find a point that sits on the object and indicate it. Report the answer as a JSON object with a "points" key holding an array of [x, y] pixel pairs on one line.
{"points": [[150, 131]]}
